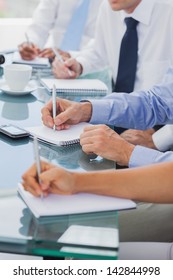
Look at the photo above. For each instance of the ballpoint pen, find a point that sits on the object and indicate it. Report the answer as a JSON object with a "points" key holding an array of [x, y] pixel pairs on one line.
{"points": [[60, 59], [37, 160], [54, 105], [27, 40]]}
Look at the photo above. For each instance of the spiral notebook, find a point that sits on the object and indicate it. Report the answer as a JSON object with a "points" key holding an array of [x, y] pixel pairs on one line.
{"points": [[38, 62], [76, 86], [65, 137]]}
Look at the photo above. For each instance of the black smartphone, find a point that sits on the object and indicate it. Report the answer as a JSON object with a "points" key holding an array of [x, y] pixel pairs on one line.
{"points": [[13, 131]]}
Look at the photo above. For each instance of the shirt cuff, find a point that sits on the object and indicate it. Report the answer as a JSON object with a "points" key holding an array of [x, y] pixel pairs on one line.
{"points": [[163, 138], [100, 111], [83, 62], [142, 156]]}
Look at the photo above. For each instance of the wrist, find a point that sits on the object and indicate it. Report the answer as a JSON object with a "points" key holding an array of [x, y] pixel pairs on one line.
{"points": [[77, 182], [86, 182], [86, 111], [126, 154]]}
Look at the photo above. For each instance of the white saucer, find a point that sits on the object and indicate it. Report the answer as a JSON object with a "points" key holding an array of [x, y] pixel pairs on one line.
{"points": [[28, 89]]}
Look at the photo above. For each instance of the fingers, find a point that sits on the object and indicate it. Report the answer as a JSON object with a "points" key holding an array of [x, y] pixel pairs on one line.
{"points": [[68, 112], [88, 138], [95, 130], [61, 71], [60, 120], [32, 188], [48, 53], [74, 66], [30, 179], [94, 137], [67, 70], [30, 182], [28, 52], [47, 115], [64, 55]]}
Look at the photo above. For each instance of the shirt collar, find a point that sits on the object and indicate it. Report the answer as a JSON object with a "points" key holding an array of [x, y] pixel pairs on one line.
{"points": [[140, 13]]}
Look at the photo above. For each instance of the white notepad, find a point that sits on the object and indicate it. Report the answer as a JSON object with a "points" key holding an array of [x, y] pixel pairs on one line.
{"points": [[58, 137], [80, 86], [38, 62], [90, 235], [55, 205]]}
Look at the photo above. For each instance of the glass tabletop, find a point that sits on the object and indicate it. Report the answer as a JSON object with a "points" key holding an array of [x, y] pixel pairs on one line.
{"points": [[93, 235]]}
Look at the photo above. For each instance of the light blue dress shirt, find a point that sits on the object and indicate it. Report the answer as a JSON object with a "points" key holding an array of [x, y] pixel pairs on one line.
{"points": [[138, 110], [142, 156]]}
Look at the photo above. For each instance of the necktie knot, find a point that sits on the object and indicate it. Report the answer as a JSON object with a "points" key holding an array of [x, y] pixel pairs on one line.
{"points": [[131, 23]]}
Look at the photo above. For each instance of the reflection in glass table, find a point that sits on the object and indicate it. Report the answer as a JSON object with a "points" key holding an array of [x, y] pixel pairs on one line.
{"points": [[20, 232]]}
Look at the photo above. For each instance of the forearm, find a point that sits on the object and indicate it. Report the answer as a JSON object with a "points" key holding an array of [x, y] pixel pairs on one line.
{"points": [[149, 184], [138, 110]]}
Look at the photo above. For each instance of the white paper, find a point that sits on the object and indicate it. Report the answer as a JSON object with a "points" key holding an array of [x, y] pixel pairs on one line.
{"points": [[92, 236], [55, 205]]}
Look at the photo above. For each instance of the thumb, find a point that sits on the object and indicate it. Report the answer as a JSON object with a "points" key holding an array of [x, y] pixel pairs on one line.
{"points": [[70, 62], [62, 118], [45, 180]]}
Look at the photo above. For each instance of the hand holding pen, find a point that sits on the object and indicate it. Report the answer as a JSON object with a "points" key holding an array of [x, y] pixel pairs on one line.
{"points": [[60, 59], [28, 50]]}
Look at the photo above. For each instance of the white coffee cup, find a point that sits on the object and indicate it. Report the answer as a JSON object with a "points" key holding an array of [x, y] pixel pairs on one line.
{"points": [[17, 76]]}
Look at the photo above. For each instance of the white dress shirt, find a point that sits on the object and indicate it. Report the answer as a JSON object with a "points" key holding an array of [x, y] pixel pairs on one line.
{"points": [[155, 41], [163, 138], [51, 17]]}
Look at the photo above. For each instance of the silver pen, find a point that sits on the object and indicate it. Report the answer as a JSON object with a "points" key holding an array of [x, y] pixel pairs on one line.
{"points": [[56, 53], [60, 59], [37, 160], [27, 39], [54, 105]]}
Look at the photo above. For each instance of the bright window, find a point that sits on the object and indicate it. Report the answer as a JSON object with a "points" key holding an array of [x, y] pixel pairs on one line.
{"points": [[17, 8]]}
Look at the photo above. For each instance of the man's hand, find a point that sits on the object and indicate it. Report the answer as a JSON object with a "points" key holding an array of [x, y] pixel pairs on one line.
{"points": [[105, 142], [68, 112], [28, 51], [48, 53], [64, 55], [53, 180], [139, 137], [70, 69]]}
